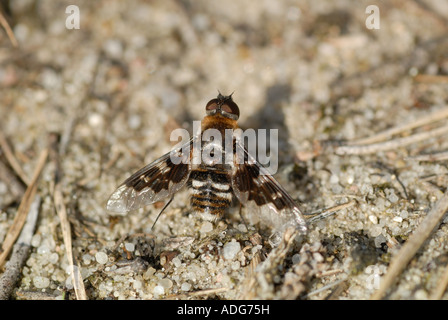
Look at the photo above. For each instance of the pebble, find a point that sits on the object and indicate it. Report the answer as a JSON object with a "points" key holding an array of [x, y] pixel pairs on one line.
{"points": [[134, 121], [421, 294], [231, 249], [53, 258], [43, 249], [176, 262], [166, 283], [41, 282], [114, 48], [185, 286], [295, 258], [101, 257], [373, 219], [235, 265], [158, 290], [149, 273], [86, 258], [35, 240], [129, 246], [95, 120]]}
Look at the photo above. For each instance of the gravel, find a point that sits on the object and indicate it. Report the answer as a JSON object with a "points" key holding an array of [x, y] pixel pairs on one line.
{"points": [[114, 90]]}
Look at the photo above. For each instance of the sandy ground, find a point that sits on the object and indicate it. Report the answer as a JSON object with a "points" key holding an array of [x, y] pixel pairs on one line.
{"points": [[112, 91]]}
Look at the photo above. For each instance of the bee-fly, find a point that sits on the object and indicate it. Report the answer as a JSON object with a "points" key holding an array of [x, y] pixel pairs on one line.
{"points": [[213, 181]]}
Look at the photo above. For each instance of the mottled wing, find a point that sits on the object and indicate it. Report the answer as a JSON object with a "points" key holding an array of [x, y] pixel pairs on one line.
{"points": [[158, 180], [264, 198]]}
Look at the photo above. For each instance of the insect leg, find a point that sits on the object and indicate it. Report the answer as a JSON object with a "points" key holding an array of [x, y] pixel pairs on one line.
{"points": [[163, 209]]}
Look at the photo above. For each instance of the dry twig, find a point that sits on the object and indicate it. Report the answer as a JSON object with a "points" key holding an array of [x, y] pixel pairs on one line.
{"points": [[429, 78], [15, 185], [386, 134], [207, 292], [391, 144], [340, 285], [35, 295], [439, 156], [324, 213], [8, 30], [373, 144], [9, 155], [75, 273]]}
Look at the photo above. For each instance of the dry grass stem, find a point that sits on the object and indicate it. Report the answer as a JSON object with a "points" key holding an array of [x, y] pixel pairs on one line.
{"points": [[8, 30], [9, 155], [328, 286], [61, 210], [324, 213], [15, 185], [439, 156], [207, 292], [434, 117], [75, 273], [391, 144]]}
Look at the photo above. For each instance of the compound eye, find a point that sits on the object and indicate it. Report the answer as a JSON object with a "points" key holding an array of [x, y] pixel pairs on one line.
{"points": [[231, 108], [212, 105]]}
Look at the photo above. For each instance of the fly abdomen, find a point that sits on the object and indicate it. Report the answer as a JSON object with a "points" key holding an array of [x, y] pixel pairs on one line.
{"points": [[211, 193]]}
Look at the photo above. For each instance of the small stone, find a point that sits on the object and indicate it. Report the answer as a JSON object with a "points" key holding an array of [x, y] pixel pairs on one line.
{"points": [[114, 48], [101, 257], [86, 258], [231, 249], [129, 246], [373, 219], [95, 120], [137, 284], [242, 227], [166, 283], [185, 286], [376, 231], [149, 273], [41, 282], [134, 121], [35, 240], [379, 241], [295, 258], [334, 179], [421, 294], [43, 249], [158, 290], [54, 257], [176, 262], [206, 227]]}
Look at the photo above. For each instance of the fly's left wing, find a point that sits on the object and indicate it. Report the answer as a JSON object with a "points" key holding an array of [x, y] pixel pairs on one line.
{"points": [[265, 199], [156, 181]]}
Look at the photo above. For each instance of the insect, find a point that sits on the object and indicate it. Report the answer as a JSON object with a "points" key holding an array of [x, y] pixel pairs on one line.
{"points": [[212, 183]]}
